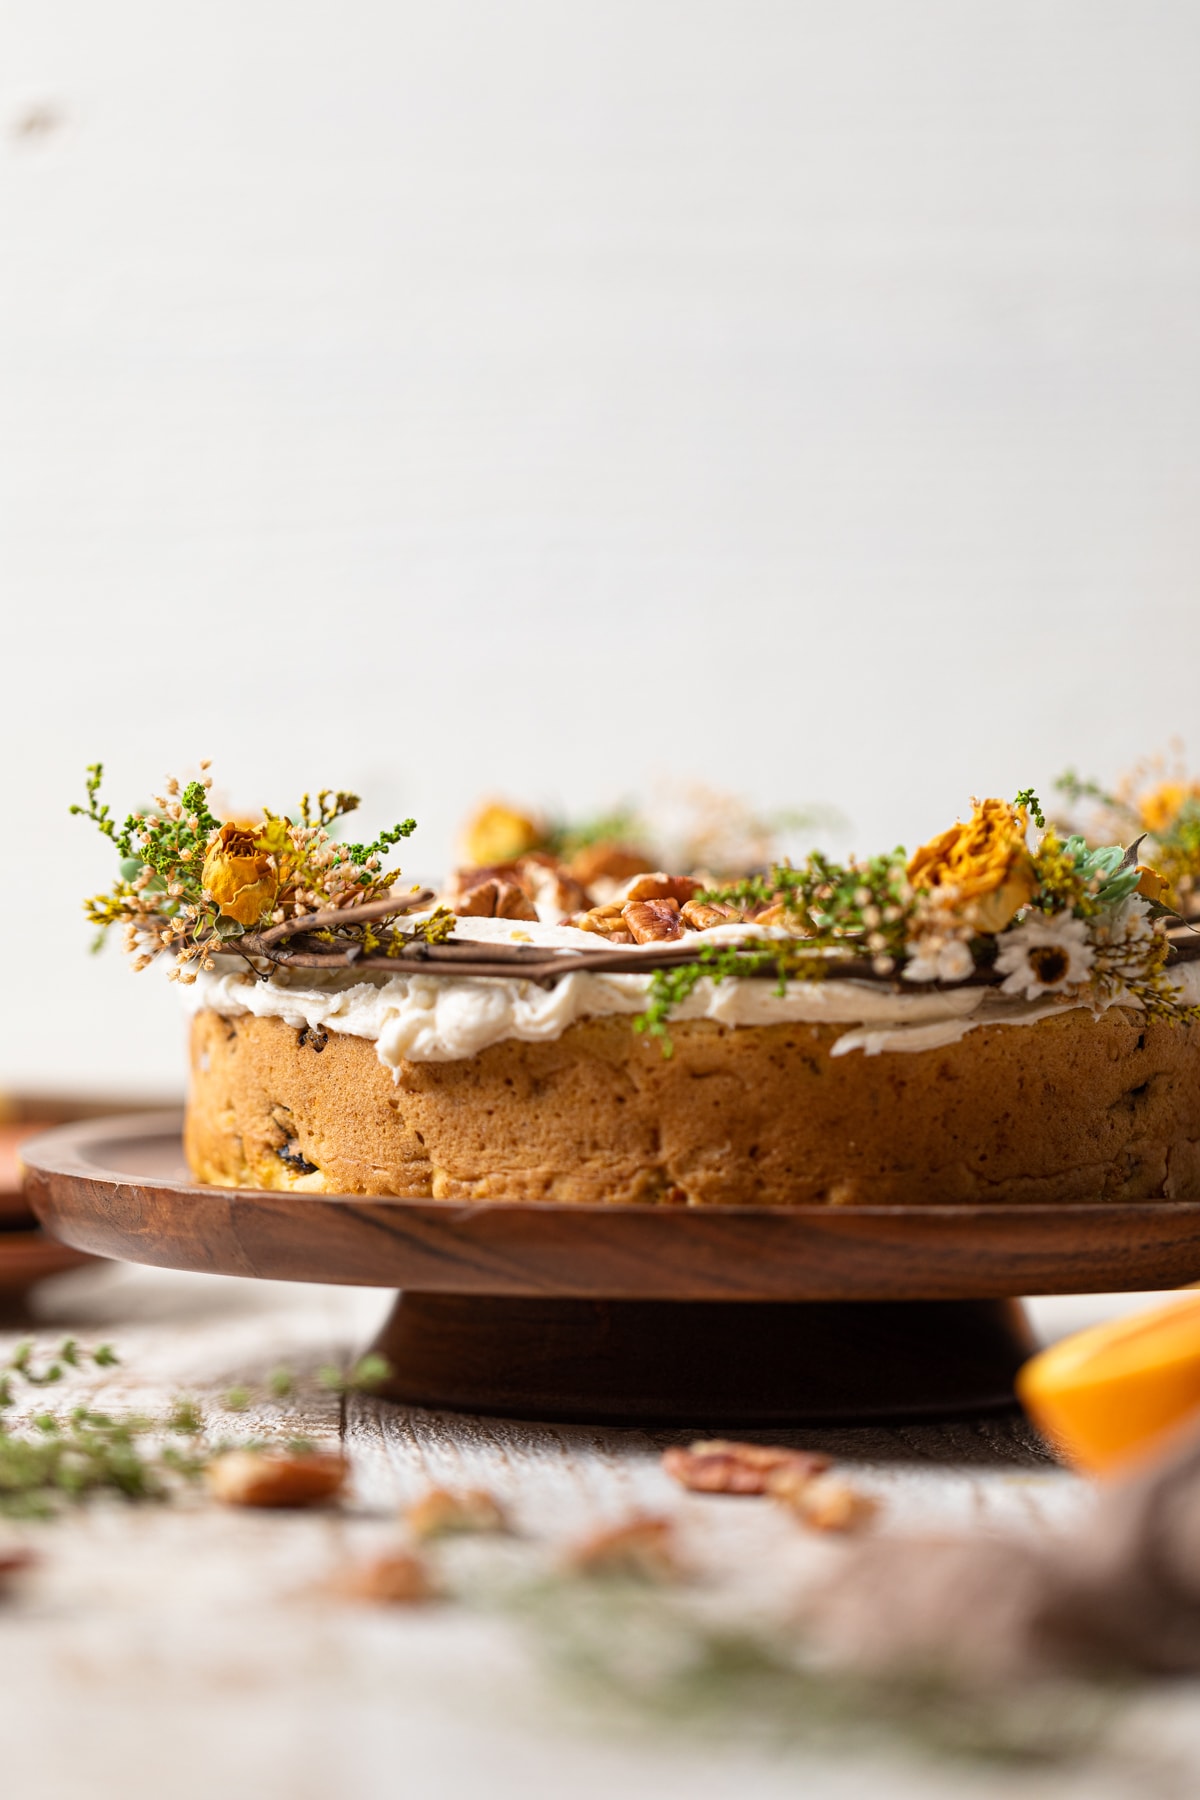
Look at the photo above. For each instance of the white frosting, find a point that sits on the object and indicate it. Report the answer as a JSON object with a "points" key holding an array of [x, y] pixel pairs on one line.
{"points": [[420, 1017]]}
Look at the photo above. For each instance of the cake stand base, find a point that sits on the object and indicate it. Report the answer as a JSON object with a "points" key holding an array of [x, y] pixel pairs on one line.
{"points": [[702, 1362]]}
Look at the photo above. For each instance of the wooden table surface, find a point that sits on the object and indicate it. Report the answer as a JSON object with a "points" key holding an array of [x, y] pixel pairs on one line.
{"points": [[190, 1650]]}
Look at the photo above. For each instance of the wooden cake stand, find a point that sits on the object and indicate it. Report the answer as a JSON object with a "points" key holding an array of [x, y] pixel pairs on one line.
{"points": [[704, 1316]]}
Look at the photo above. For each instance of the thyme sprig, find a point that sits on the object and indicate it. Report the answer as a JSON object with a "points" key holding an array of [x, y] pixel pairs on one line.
{"points": [[718, 1677], [57, 1458], [669, 988], [857, 905], [821, 907], [53, 1459]]}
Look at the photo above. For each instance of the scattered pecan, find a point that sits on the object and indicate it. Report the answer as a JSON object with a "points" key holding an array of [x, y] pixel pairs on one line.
{"points": [[720, 1466], [699, 915], [659, 886], [643, 1545], [13, 1561], [652, 921], [276, 1478], [823, 1501], [439, 1512], [397, 1578]]}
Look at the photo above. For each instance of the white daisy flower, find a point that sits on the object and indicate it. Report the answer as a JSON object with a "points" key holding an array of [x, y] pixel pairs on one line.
{"points": [[1045, 955], [939, 959]]}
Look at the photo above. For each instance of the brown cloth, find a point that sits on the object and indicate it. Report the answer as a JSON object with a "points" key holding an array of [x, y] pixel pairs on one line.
{"points": [[1122, 1593]]}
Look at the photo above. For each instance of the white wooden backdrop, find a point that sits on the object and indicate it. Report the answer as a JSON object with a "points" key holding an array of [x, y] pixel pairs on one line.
{"points": [[554, 396]]}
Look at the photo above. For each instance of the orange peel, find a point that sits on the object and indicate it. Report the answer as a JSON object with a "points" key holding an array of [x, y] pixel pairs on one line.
{"points": [[1117, 1394]]}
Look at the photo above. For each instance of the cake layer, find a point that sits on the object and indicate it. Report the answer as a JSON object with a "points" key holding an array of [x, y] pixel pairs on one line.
{"points": [[1074, 1108]]}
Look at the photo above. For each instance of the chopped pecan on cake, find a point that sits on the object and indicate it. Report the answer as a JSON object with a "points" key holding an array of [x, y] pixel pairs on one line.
{"points": [[652, 921], [701, 915], [490, 893], [522, 889], [660, 886], [607, 864], [606, 921]]}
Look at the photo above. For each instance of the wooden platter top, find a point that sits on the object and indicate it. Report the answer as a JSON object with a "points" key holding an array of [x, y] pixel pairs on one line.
{"points": [[120, 1188]]}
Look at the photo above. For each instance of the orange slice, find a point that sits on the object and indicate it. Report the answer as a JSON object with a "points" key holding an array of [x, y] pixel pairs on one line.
{"points": [[1115, 1394]]}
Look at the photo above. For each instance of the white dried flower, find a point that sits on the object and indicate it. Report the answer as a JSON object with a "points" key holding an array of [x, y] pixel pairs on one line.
{"points": [[1128, 923], [938, 958], [1045, 955]]}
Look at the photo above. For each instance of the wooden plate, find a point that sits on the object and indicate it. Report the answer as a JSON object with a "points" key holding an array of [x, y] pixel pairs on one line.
{"points": [[27, 1257], [120, 1188], [14, 1207]]}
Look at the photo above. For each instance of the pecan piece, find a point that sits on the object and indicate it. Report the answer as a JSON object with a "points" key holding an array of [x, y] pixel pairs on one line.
{"points": [[699, 915], [549, 886], [644, 1546], [720, 1466], [439, 1512], [605, 921], [659, 886], [823, 1502], [496, 897], [275, 1478], [13, 1561], [397, 1578], [776, 911], [652, 921], [607, 861]]}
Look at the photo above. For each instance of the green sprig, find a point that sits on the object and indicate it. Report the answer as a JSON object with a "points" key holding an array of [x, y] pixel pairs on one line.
{"points": [[359, 855], [1033, 806], [363, 1377]]}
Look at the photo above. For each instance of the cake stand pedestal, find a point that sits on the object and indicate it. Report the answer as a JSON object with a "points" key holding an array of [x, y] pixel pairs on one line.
{"points": [[705, 1316], [703, 1362]]}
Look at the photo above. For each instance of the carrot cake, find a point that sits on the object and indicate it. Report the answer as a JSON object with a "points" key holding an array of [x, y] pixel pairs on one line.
{"points": [[1002, 1016]]}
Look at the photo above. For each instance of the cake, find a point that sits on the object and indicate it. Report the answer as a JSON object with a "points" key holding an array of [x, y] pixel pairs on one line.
{"points": [[1003, 1017]]}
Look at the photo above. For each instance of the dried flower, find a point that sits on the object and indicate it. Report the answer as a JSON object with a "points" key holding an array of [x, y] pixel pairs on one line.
{"points": [[1047, 954], [983, 865], [940, 956], [241, 877], [499, 834]]}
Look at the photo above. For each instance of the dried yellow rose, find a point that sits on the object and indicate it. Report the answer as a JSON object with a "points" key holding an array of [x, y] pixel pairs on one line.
{"points": [[240, 874], [499, 834], [983, 866], [1160, 807]]}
